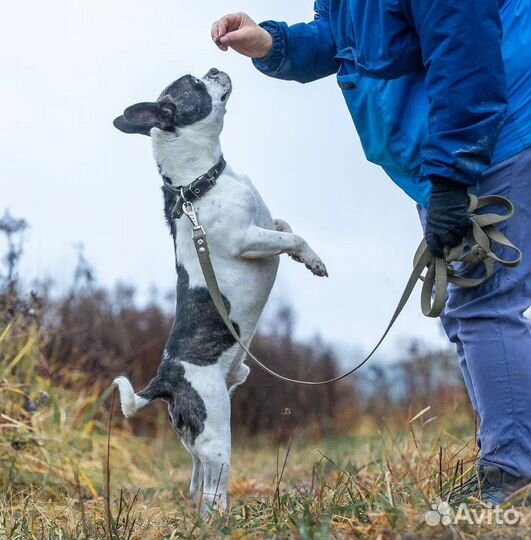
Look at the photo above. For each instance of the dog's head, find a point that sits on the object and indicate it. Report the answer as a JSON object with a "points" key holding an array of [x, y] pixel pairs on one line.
{"points": [[187, 102]]}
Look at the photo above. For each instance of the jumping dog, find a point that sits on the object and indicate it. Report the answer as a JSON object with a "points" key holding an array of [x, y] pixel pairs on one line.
{"points": [[202, 364]]}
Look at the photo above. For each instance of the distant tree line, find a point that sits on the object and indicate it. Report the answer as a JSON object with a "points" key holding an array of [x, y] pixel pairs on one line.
{"points": [[92, 333]]}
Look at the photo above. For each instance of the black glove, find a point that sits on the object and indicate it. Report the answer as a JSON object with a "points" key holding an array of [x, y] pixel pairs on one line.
{"points": [[447, 221]]}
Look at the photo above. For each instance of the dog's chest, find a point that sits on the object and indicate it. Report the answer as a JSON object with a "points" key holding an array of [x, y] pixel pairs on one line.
{"points": [[215, 217], [227, 212]]}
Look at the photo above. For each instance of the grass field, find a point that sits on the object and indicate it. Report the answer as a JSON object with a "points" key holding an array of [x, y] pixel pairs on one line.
{"points": [[374, 483]]}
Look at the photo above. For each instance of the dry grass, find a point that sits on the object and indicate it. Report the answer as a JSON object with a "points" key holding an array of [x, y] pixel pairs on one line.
{"points": [[369, 484]]}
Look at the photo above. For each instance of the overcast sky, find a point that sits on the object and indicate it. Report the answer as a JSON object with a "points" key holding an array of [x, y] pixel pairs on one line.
{"points": [[68, 68]]}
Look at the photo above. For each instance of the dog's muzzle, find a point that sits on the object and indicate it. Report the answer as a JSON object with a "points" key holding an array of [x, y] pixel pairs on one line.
{"points": [[222, 79]]}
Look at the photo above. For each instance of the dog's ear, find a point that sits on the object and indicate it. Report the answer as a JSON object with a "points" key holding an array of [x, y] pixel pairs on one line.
{"points": [[142, 117], [126, 127]]}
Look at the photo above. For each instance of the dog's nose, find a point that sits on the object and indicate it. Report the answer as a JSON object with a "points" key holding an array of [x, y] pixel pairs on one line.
{"points": [[213, 71]]}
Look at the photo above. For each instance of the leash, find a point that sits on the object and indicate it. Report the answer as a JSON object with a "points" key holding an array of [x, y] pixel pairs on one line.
{"points": [[474, 251]]}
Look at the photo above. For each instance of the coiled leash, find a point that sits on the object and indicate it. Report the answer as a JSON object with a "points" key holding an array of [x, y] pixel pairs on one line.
{"points": [[475, 250]]}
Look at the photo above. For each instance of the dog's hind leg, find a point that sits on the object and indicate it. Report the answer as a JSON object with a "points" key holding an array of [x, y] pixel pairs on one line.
{"points": [[213, 448], [239, 378], [196, 482], [215, 459]]}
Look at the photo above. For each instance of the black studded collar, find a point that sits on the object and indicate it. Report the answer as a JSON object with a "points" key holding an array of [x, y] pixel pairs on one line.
{"points": [[195, 190]]}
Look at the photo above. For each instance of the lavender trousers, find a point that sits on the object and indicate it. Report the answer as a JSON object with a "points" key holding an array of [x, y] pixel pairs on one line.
{"points": [[492, 335]]}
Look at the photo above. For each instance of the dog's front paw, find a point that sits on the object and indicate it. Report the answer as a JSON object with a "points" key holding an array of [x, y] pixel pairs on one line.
{"points": [[313, 262]]}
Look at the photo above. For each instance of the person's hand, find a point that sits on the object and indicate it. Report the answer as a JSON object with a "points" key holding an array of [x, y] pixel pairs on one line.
{"points": [[447, 220], [239, 32]]}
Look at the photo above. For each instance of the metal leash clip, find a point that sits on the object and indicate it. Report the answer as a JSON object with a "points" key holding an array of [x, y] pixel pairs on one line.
{"points": [[190, 213]]}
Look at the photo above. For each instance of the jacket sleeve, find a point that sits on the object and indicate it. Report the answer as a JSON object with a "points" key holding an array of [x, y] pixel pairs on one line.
{"points": [[465, 81], [302, 52]]}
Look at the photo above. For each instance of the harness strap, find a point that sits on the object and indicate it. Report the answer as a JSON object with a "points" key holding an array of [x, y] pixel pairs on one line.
{"points": [[475, 250]]}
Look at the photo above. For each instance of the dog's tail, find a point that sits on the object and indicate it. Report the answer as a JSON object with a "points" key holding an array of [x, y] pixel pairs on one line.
{"points": [[131, 402]]}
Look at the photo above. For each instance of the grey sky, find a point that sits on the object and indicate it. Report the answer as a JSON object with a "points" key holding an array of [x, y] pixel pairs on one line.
{"points": [[68, 68]]}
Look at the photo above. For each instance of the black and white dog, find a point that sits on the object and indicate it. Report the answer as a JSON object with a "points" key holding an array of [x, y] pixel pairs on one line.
{"points": [[202, 363]]}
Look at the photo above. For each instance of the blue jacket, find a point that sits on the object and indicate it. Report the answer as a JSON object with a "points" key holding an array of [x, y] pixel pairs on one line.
{"points": [[435, 87]]}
